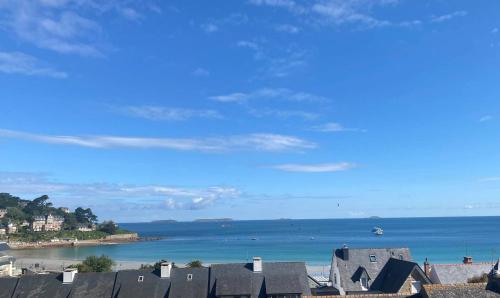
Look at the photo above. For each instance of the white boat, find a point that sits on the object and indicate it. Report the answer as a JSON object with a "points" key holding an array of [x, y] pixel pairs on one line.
{"points": [[378, 231]]}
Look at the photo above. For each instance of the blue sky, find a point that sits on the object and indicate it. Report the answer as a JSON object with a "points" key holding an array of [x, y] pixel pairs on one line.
{"points": [[252, 109]]}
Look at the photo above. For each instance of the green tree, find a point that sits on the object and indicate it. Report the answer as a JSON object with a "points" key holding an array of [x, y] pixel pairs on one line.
{"points": [[156, 266], [85, 216], [7, 200], [15, 214], [96, 264], [194, 264], [108, 227], [70, 222], [39, 206]]}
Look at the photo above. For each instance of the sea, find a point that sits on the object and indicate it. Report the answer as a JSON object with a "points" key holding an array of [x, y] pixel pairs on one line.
{"points": [[441, 240]]}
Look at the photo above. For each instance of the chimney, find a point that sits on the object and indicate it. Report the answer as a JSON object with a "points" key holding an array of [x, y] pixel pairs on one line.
{"points": [[257, 264], [467, 260], [345, 253], [427, 268], [69, 275], [165, 269]]}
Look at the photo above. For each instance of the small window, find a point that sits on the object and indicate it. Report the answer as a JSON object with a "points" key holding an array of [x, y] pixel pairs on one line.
{"points": [[373, 258], [140, 278], [189, 277], [401, 257]]}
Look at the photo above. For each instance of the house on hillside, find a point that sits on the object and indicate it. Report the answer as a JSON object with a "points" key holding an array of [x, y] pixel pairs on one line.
{"points": [[11, 228], [85, 228], [47, 223], [375, 270], [3, 212], [458, 273]]}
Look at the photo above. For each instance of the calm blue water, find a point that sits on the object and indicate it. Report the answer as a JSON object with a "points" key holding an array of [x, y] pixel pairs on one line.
{"points": [[442, 240]]}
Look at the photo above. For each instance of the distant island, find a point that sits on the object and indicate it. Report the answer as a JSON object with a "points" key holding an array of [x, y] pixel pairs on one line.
{"points": [[374, 217], [213, 220], [164, 221], [37, 223]]}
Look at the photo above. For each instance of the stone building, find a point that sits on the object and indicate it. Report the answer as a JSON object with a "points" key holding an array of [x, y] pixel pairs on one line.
{"points": [[47, 223]]}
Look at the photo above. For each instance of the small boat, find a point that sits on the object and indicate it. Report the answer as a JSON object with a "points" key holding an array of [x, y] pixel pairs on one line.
{"points": [[378, 231]]}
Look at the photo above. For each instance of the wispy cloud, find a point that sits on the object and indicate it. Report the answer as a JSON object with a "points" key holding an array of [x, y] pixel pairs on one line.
{"points": [[287, 28], [315, 168], [277, 62], [63, 26], [160, 113], [283, 114], [281, 94], [210, 27], [358, 13], [201, 72], [486, 118], [334, 127], [286, 4], [20, 63], [158, 196], [257, 142], [447, 17]]}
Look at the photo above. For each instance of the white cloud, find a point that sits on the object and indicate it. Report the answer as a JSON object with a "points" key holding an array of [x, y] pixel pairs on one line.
{"points": [[486, 118], [201, 72], [447, 17], [210, 28], [63, 26], [20, 63], [156, 196], [342, 12], [315, 168], [281, 94], [257, 141], [359, 13], [287, 4], [334, 127], [287, 28], [159, 113], [283, 114]]}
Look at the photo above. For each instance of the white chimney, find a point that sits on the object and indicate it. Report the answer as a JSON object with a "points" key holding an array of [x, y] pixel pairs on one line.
{"points": [[257, 264], [69, 275], [166, 268]]}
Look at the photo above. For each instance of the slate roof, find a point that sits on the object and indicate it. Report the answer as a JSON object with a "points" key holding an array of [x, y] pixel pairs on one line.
{"points": [[394, 275], [42, 285], [458, 291], [458, 273], [7, 286], [360, 257], [93, 284], [275, 278], [182, 287], [128, 284]]}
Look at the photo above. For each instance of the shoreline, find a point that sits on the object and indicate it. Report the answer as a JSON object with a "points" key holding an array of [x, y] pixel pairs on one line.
{"points": [[109, 240]]}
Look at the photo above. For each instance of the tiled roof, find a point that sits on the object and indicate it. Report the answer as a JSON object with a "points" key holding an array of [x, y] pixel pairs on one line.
{"points": [[140, 283], [458, 273], [360, 257], [458, 291]]}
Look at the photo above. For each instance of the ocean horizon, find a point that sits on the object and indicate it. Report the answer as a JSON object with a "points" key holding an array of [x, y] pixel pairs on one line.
{"points": [[440, 239]]}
